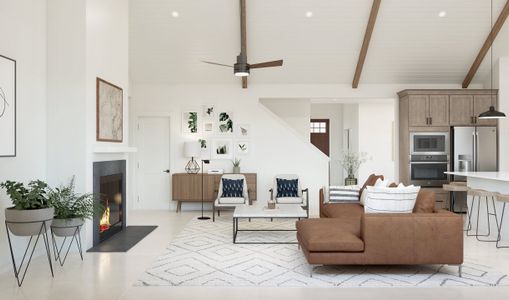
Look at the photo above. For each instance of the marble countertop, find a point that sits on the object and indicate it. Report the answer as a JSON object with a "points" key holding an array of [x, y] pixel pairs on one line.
{"points": [[500, 176]]}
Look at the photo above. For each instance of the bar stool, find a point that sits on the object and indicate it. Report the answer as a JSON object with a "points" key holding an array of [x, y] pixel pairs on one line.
{"points": [[479, 195], [505, 199], [452, 188]]}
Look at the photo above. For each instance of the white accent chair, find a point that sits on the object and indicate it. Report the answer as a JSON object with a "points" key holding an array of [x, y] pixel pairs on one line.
{"points": [[222, 202], [302, 198]]}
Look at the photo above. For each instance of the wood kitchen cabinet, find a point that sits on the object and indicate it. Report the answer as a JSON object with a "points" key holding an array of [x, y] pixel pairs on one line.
{"points": [[428, 110], [188, 187], [465, 109]]}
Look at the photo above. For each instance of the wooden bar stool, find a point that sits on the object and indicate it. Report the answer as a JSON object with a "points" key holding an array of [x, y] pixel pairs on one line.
{"points": [[479, 195], [505, 199], [452, 188]]}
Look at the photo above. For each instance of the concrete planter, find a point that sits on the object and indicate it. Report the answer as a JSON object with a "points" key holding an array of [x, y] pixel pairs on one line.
{"points": [[66, 227], [18, 217], [236, 170]]}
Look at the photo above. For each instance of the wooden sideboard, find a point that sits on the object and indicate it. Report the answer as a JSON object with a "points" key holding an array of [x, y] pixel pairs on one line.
{"points": [[188, 187]]}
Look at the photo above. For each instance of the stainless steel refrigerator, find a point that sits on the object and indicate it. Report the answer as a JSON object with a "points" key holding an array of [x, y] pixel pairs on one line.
{"points": [[473, 149]]}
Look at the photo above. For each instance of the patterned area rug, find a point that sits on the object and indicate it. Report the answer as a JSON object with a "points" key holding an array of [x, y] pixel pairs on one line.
{"points": [[204, 255]]}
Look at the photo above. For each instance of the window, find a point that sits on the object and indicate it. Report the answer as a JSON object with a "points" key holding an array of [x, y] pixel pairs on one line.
{"points": [[318, 127]]}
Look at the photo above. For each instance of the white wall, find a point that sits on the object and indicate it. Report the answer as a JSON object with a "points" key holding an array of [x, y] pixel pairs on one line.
{"points": [[377, 139], [295, 112], [503, 85], [23, 35], [333, 112], [275, 148]]}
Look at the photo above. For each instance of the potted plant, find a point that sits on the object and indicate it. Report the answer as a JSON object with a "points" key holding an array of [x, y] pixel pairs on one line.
{"points": [[351, 162], [31, 206], [71, 208], [236, 166]]}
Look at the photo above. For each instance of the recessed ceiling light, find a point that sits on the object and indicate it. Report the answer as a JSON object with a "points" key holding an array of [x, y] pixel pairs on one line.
{"points": [[175, 14], [309, 14], [442, 14]]}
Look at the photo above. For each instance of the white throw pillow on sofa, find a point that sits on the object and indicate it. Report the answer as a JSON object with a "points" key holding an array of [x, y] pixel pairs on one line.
{"points": [[390, 200]]}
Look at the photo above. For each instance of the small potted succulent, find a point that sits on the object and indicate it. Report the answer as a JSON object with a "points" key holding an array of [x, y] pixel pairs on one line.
{"points": [[236, 166], [31, 207], [351, 162], [71, 208]]}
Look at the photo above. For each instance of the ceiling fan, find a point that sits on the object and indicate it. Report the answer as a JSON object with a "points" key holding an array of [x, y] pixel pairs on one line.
{"points": [[242, 68]]}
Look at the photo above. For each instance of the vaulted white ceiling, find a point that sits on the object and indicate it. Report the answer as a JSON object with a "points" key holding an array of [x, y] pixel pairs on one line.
{"points": [[410, 43]]}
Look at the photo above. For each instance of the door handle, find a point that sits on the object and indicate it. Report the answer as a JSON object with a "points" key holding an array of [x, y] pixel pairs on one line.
{"points": [[430, 120], [166, 171]]}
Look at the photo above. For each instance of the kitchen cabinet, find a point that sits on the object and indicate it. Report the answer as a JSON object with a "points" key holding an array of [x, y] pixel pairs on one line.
{"points": [[428, 110], [465, 109]]}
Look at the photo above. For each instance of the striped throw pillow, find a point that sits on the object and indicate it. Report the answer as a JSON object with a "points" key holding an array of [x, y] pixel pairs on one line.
{"points": [[338, 194], [390, 200]]}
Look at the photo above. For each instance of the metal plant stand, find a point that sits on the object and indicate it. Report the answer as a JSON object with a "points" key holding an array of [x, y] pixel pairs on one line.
{"points": [[19, 271], [58, 250]]}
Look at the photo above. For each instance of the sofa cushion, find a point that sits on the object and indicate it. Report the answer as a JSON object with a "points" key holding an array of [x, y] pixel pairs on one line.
{"points": [[425, 202], [370, 181], [289, 200], [390, 200], [343, 194], [330, 235], [340, 210], [231, 200]]}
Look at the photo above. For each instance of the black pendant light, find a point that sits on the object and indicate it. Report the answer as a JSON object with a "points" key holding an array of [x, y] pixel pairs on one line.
{"points": [[492, 113]]}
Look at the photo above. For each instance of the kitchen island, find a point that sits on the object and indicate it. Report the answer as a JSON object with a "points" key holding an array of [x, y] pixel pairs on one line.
{"points": [[493, 182]]}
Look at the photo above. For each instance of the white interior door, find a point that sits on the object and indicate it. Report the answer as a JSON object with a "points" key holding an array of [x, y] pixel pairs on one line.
{"points": [[153, 173]]}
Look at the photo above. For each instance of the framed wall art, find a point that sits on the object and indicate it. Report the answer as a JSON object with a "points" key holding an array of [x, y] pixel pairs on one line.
{"points": [[243, 131], [190, 122], [205, 148], [222, 149], [242, 147], [110, 114], [225, 123], [7, 107], [208, 116]]}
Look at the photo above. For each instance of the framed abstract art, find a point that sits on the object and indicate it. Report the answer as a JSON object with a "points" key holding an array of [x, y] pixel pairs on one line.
{"points": [[7, 107], [110, 115]]}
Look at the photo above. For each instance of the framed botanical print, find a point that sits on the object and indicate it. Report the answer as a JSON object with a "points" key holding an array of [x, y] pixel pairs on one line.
{"points": [[7, 107], [243, 131], [208, 116], [190, 122], [242, 147], [225, 123], [110, 114], [222, 149], [205, 148]]}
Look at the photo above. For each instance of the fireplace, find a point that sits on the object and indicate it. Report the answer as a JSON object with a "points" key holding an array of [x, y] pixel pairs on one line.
{"points": [[109, 188]]}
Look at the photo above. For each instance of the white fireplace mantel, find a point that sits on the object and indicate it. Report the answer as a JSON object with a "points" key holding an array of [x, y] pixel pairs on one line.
{"points": [[115, 149]]}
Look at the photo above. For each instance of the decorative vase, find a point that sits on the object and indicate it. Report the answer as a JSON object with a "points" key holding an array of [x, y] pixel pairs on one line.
{"points": [[66, 227], [236, 170], [350, 180], [28, 222]]}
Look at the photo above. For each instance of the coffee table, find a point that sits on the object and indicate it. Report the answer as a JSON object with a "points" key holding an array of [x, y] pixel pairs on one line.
{"points": [[257, 211]]}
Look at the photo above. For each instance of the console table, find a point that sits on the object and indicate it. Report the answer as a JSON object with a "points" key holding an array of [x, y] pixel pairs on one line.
{"points": [[188, 187]]}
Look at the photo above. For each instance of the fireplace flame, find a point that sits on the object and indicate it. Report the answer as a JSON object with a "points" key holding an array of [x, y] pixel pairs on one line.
{"points": [[104, 223]]}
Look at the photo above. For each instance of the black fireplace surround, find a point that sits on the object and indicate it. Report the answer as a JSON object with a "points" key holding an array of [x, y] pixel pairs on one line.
{"points": [[110, 188]]}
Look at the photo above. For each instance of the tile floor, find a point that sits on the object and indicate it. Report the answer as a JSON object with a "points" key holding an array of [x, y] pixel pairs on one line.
{"points": [[111, 275]]}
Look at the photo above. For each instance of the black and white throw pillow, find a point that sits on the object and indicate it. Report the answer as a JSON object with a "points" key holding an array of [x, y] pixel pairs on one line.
{"points": [[233, 188], [287, 188]]}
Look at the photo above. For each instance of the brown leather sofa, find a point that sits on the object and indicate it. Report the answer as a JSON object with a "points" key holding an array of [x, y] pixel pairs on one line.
{"points": [[345, 235]]}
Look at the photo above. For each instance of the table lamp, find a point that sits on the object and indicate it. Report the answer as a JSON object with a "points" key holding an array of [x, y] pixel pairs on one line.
{"points": [[192, 150]]}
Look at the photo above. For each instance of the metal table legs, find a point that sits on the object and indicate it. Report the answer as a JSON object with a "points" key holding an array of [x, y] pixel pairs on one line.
{"points": [[18, 272], [499, 237]]}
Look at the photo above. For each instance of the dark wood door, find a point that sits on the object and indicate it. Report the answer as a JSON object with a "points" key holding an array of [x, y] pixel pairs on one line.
{"points": [[319, 129]]}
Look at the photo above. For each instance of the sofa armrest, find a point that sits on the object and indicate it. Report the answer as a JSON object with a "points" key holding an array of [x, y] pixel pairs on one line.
{"points": [[424, 238]]}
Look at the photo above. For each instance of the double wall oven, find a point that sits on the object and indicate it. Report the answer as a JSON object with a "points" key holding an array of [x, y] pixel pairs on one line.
{"points": [[429, 158]]}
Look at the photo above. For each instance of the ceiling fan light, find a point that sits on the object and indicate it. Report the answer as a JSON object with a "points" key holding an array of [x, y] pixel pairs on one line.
{"points": [[241, 70], [491, 114]]}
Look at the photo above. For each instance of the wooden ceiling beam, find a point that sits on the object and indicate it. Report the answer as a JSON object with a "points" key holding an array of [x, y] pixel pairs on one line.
{"points": [[486, 46], [365, 44]]}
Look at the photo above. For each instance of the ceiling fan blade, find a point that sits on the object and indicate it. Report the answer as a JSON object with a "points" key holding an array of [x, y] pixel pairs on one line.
{"points": [[217, 64], [267, 64]]}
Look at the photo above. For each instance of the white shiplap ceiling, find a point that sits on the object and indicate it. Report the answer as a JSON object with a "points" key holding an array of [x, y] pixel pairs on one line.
{"points": [[410, 43]]}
